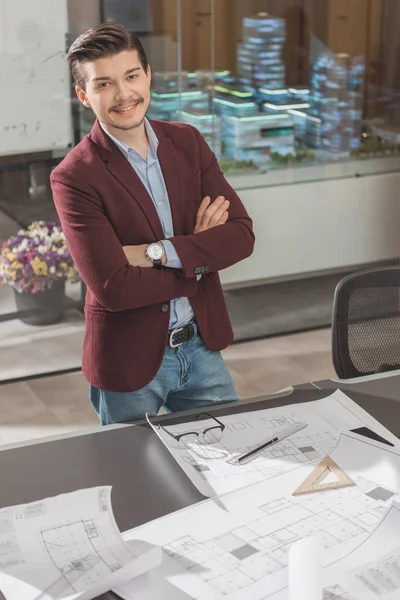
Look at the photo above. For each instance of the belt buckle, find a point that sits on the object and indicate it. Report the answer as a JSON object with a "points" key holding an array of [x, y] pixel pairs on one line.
{"points": [[172, 335]]}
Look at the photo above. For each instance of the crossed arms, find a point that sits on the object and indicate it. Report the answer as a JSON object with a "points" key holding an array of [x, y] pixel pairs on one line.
{"points": [[210, 214], [106, 267]]}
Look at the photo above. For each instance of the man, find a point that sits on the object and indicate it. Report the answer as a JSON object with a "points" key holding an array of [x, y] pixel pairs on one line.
{"points": [[150, 220]]}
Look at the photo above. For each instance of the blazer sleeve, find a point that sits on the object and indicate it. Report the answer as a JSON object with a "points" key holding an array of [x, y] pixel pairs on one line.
{"points": [[99, 257], [222, 246]]}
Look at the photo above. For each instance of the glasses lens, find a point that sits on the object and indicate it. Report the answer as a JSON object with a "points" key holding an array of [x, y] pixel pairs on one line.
{"points": [[211, 436], [187, 440]]}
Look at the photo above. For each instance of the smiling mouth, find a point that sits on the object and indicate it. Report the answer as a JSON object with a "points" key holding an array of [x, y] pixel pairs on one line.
{"points": [[126, 109]]}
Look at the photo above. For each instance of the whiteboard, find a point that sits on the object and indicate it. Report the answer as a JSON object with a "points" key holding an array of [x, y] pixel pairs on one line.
{"points": [[35, 99]]}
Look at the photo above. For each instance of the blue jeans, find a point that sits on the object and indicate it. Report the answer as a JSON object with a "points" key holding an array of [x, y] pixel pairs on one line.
{"points": [[190, 376]]}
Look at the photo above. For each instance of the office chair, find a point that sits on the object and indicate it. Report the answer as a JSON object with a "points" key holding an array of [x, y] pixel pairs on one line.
{"points": [[366, 323]]}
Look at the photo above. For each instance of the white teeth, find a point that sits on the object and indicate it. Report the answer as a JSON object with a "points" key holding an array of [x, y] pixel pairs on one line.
{"points": [[125, 109]]}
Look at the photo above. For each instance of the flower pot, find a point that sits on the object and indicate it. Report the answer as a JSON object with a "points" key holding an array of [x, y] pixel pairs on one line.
{"points": [[43, 308]]}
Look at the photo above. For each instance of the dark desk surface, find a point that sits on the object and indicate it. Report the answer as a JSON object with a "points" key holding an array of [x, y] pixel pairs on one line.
{"points": [[147, 482], [380, 396]]}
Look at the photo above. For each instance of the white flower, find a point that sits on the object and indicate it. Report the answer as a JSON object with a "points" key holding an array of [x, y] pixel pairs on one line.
{"points": [[52, 270]]}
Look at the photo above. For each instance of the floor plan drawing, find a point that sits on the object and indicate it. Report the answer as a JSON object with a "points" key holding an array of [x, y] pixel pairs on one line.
{"points": [[79, 552], [210, 466], [68, 546], [336, 593], [241, 548], [242, 556], [372, 571]]}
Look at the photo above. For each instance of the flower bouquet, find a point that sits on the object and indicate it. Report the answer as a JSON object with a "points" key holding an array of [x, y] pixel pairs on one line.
{"points": [[36, 263]]}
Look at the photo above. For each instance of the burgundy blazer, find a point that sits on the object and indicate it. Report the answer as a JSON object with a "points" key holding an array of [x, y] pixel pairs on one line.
{"points": [[103, 205]]}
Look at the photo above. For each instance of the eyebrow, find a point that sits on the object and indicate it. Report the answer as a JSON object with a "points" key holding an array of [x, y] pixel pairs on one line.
{"points": [[128, 72]]}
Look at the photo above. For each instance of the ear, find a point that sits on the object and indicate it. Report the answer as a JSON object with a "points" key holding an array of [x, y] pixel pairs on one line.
{"points": [[82, 96], [148, 73]]}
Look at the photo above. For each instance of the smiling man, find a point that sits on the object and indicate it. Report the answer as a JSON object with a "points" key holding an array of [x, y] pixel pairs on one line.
{"points": [[150, 220]]}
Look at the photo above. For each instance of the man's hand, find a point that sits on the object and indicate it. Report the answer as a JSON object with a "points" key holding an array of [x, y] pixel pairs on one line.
{"points": [[211, 214], [136, 256]]}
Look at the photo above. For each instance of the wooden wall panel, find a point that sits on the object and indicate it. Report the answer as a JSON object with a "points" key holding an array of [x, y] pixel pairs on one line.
{"points": [[225, 40], [83, 15], [188, 35], [347, 26], [374, 57]]}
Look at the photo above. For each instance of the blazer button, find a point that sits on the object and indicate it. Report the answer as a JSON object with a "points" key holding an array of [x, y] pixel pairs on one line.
{"points": [[164, 307]]}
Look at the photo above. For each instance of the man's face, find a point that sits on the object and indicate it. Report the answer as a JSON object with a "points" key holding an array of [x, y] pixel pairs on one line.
{"points": [[117, 89]]}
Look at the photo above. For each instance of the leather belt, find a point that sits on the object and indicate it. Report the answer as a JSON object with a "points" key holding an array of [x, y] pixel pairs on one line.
{"points": [[180, 335]]}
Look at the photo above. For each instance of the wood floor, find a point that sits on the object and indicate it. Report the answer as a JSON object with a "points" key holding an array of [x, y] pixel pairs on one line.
{"points": [[59, 404]]}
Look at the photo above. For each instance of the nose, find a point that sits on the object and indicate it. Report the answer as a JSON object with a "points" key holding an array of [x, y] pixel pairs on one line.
{"points": [[122, 91]]}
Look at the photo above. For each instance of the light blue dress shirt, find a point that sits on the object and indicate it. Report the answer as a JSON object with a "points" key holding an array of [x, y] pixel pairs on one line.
{"points": [[152, 178]]}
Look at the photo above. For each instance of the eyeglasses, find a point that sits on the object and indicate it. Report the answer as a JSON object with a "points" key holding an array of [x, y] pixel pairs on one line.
{"points": [[203, 437]]}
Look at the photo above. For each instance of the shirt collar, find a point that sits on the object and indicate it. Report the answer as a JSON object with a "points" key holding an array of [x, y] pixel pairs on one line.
{"points": [[127, 151]]}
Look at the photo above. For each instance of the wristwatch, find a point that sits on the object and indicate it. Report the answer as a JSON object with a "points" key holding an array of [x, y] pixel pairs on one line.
{"points": [[155, 252]]}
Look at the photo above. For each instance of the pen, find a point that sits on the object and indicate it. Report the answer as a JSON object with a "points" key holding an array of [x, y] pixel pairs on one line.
{"points": [[256, 450], [279, 437]]}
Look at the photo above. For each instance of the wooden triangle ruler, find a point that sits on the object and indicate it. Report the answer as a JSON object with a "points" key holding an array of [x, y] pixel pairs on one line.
{"points": [[310, 484]]}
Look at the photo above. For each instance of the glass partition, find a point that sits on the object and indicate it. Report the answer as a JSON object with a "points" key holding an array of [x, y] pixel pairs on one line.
{"points": [[282, 90], [275, 85], [41, 121]]}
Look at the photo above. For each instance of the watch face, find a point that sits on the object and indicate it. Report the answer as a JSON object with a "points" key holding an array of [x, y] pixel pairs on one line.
{"points": [[155, 251]]}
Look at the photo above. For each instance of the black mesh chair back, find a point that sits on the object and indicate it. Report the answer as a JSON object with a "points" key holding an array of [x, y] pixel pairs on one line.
{"points": [[366, 323]]}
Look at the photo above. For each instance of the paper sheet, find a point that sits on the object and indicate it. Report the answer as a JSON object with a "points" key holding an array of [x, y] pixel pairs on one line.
{"points": [[373, 570], [236, 547], [153, 584], [304, 569], [207, 466], [68, 546]]}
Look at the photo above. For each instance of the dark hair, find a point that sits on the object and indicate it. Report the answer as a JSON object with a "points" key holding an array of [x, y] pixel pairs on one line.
{"points": [[102, 41]]}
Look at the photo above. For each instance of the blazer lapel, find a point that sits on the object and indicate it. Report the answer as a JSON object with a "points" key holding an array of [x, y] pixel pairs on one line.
{"points": [[120, 168]]}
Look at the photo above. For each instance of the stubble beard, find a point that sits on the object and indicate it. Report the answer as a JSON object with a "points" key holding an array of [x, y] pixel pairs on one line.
{"points": [[134, 125], [124, 127]]}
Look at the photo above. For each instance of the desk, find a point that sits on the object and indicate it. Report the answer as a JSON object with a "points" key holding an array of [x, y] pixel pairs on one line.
{"points": [[378, 394], [147, 482]]}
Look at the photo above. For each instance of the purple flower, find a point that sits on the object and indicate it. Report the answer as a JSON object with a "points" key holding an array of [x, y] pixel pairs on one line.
{"points": [[39, 243]]}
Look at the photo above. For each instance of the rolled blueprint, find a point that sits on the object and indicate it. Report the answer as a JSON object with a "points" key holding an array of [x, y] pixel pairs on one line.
{"points": [[305, 571]]}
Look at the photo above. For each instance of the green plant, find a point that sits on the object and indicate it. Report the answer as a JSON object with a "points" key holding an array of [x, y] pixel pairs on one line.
{"points": [[300, 156], [227, 165], [371, 146]]}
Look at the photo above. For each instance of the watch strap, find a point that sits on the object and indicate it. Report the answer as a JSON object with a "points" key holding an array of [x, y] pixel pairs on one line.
{"points": [[157, 264]]}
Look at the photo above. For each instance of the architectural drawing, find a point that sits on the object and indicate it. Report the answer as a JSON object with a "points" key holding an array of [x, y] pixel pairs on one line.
{"points": [[209, 468], [237, 548], [336, 593], [78, 550], [372, 571], [63, 547], [242, 556]]}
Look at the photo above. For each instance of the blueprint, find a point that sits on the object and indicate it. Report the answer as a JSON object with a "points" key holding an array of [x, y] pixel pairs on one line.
{"points": [[209, 468], [373, 570], [236, 547], [153, 585], [68, 546]]}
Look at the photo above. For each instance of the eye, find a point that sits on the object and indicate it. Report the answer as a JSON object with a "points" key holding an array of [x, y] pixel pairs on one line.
{"points": [[104, 84], [132, 76]]}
